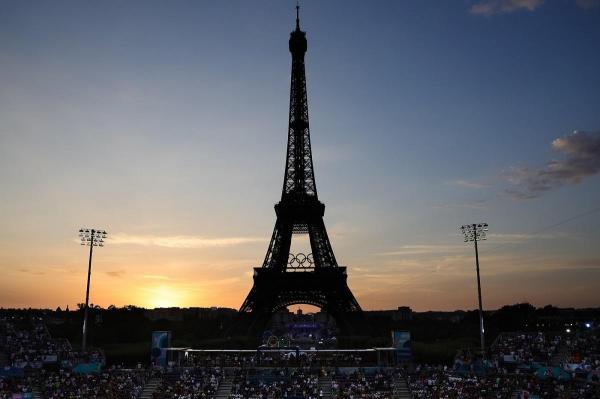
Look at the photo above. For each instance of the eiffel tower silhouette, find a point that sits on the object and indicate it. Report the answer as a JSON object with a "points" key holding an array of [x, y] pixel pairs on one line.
{"points": [[286, 279]]}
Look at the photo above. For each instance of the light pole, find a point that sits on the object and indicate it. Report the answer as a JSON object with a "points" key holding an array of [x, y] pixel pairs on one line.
{"points": [[476, 232], [92, 238]]}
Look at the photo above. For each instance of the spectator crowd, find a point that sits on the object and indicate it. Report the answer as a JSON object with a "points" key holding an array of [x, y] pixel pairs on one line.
{"points": [[523, 365], [518, 365], [190, 383], [276, 383]]}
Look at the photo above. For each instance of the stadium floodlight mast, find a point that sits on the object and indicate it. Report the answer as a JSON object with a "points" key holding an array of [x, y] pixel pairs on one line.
{"points": [[91, 238], [477, 232]]}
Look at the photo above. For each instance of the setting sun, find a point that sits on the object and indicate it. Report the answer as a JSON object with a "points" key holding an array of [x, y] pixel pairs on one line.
{"points": [[163, 296]]}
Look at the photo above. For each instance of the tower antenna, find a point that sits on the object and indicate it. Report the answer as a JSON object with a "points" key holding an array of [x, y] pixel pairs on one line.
{"points": [[297, 14]]}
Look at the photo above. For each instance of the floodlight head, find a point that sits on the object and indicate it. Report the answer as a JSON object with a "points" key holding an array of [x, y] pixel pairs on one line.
{"points": [[474, 232], [92, 237]]}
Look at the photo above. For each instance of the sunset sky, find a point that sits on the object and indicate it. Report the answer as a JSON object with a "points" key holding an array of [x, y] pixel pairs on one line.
{"points": [[165, 123]]}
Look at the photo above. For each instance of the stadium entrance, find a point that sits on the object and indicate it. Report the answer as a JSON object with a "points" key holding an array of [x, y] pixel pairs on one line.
{"points": [[316, 330]]}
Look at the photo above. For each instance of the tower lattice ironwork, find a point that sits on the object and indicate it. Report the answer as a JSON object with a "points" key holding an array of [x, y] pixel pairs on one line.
{"points": [[285, 279]]}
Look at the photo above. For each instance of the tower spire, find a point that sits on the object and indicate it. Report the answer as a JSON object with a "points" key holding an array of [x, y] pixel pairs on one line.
{"points": [[299, 175]]}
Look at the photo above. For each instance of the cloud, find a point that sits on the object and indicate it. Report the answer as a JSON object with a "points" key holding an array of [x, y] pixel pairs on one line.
{"points": [[582, 151], [469, 184], [454, 249], [519, 238], [115, 273], [181, 241], [34, 272], [494, 7], [479, 204], [424, 250], [587, 4], [155, 277]]}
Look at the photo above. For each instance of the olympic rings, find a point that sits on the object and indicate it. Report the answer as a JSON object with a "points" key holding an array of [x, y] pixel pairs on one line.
{"points": [[300, 261]]}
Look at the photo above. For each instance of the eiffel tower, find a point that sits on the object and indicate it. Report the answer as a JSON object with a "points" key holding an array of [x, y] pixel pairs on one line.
{"points": [[286, 279]]}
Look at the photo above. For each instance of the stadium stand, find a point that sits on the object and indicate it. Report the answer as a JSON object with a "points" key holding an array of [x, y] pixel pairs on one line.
{"points": [[529, 365]]}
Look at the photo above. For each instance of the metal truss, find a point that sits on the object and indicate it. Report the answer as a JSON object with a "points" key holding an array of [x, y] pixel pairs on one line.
{"points": [[286, 279]]}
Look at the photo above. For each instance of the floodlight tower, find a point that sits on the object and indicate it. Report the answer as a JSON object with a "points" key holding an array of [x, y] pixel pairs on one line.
{"points": [[92, 238], [477, 232]]}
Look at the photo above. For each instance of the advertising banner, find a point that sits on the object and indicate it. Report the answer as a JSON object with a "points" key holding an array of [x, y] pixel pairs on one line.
{"points": [[50, 358], [401, 341], [87, 368], [161, 340]]}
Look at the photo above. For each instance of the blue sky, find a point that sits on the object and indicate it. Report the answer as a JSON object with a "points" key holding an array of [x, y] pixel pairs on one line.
{"points": [[165, 123]]}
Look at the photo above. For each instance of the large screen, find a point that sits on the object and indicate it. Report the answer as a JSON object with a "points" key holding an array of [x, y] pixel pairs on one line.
{"points": [[161, 340], [401, 341]]}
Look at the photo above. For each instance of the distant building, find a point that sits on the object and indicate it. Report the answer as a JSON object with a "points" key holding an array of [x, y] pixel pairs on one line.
{"points": [[170, 314], [404, 313]]}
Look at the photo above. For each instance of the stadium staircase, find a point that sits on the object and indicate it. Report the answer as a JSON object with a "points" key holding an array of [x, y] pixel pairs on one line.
{"points": [[149, 388], [36, 394], [561, 357], [400, 389], [325, 385], [224, 388]]}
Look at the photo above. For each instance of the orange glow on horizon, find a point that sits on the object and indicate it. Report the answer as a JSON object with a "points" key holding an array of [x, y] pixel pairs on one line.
{"points": [[424, 277], [163, 296]]}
